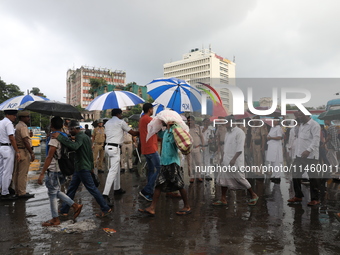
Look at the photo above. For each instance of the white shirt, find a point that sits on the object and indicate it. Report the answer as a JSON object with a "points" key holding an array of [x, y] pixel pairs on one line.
{"points": [[274, 152], [6, 129], [114, 130], [54, 167], [308, 139], [234, 142], [207, 133]]}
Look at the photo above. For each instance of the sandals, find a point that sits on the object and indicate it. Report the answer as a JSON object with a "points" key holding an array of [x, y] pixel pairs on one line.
{"points": [[183, 212], [251, 201], [77, 211], [146, 212], [104, 214], [219, 203], [50, 223], [337, 216]]}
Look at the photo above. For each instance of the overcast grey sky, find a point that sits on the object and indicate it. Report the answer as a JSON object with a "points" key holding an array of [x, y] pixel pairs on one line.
{"points": [[41, 39]]}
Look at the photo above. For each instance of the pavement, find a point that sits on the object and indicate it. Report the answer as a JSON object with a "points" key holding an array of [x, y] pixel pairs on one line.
{"points": [[270, 227]]}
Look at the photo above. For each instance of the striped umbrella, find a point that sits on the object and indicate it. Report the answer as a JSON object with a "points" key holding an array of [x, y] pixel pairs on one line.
{"points": [[15, 102], [114, 99], [175, 94]]}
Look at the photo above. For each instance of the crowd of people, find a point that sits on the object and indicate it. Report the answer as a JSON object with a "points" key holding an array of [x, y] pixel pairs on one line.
{"points": [[303, 147]]}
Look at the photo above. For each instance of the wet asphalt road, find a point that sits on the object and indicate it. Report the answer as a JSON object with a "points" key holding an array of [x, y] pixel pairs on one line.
{"points": [[270, 227]]}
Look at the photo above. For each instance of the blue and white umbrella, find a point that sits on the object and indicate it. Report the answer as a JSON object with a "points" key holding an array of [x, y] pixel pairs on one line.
{"points": [[157, 108], [114, 99], [175, 94], [15, 102]]}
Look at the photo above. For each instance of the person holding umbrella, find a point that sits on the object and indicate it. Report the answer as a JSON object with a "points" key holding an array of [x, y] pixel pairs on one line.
{"points": [[114, 131], [54, 177], [8, 152]]}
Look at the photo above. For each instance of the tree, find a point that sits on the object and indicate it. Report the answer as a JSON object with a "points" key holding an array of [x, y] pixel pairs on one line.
{"points": [[96, 84], [36, 91], [8, 91]]}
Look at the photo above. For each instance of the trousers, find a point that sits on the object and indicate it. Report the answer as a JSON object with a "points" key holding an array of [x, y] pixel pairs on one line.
{"points": [[7, 155]]}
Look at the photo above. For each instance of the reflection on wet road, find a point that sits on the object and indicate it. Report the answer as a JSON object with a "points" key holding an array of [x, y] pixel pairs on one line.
{"points": [[271, 227]]}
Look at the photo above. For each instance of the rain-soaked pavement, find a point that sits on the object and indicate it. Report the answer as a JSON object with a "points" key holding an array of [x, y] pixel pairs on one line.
{"points": [[270, 227]]}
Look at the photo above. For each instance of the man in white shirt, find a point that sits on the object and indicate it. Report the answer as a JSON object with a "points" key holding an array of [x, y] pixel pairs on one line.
{"points": [[306, 155], [114, 131], [8, 151], [233, 158]]}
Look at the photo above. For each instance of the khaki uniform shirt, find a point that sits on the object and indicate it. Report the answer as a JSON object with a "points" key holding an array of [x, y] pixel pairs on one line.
{"points": [[99, 135], [21, 131], [196, 135], [220, 133], [258, 132]]}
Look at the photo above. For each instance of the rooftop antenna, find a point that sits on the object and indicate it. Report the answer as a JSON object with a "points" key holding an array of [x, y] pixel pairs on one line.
{"points": [[210, 47], [234, 59]]}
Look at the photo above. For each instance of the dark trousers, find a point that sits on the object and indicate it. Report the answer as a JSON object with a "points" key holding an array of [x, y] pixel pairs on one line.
{"points": [[84, 176], [314, 180]]}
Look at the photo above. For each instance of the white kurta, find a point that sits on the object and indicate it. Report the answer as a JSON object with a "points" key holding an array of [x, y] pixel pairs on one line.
{"points": [[274, 152], [233, 143]]}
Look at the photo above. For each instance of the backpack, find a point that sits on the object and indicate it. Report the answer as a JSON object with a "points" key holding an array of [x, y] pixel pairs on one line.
{"points": [[67, 160], [183, 139]]}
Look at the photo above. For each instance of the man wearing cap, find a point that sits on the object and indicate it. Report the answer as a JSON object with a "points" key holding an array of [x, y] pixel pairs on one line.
{"points": [[24, 144], [83, 167], [114, 131], [98, 139], [150, 151], [8, 152]]}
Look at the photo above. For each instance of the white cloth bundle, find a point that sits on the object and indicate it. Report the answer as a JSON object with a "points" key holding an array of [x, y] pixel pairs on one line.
{"points": [[166, 115]]}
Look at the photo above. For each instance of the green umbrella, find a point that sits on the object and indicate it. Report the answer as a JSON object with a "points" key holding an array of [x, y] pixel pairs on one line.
{"points": [[330, 115]]}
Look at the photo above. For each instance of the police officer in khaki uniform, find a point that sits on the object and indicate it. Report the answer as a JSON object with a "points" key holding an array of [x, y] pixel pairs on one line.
{"points": [[24, 144], [127, 149], [98, 139], [258, 141]]}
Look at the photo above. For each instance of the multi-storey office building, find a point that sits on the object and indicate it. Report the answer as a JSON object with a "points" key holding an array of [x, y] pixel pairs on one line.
{"points": [[78, 83], [207, 67]]}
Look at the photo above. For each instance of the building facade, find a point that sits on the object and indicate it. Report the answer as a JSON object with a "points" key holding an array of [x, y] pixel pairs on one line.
{"points": [[205, 66], [78, 83]]}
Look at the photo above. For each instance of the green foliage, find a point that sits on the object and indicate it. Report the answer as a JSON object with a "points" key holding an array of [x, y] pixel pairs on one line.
{"points": [[133, 110], [79, 108], [8, 91], [36, 91], [39, 120], [96, 83]]}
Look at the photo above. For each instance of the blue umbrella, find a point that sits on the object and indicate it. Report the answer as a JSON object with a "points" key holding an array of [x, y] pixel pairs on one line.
{"points": [[175, 94], [114, 99], [15, 102], [157, 108]]}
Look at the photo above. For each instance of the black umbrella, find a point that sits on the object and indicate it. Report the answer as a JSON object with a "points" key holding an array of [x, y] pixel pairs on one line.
{"points": [[135, 117], [53, 108]]}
